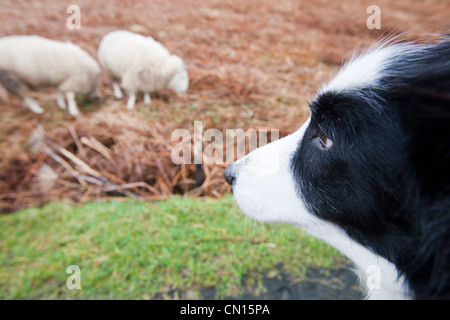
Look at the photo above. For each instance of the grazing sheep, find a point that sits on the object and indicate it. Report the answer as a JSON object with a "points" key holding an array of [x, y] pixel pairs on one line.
{"points": [[35, 62], [141, 64]]}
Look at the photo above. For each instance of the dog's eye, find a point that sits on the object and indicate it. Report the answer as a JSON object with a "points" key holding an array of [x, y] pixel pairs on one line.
{"points": [[324, 141]]}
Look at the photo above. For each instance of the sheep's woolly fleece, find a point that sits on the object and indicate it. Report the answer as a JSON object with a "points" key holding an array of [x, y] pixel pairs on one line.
{"points": [[39, 62], [140, 64]]}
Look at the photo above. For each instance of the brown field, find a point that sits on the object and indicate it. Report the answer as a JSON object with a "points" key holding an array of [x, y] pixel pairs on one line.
{"points": [[252, 64]]}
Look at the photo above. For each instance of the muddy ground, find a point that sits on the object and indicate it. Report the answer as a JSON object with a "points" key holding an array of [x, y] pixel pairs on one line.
{"points": [[339, 283]]}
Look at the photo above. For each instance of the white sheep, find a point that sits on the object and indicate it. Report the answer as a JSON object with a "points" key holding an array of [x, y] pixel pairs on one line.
{"points": [[141, 64], [35, 62]]}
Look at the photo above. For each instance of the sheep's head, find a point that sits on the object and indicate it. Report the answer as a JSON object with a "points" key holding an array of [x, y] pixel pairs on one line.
{"points": [[180, 79], [95, 92]]}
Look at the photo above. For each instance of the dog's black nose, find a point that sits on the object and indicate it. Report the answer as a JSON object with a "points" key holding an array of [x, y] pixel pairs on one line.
{"points": [[229, 175]]}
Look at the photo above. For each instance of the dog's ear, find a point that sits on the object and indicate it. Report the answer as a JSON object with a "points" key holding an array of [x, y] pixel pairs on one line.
{"points": [[427, 122], [425, 95], [430, 141]]}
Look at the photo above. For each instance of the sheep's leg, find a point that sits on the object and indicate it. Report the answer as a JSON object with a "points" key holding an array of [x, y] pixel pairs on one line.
{"points": [[131, 101], [73, 110], [117, 92], [60, 101], [147, 98], [33, 105], [15, 86]]}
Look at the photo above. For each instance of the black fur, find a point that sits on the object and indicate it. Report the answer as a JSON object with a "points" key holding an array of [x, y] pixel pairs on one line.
{"points": [[386, 179], [13, 84]]}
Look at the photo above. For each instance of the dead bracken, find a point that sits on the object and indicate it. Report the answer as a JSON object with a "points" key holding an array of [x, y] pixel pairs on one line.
{"points": [[251, 65]]}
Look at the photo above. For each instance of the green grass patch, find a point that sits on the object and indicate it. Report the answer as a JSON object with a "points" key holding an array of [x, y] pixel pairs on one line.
{"points": [[135, 250]]}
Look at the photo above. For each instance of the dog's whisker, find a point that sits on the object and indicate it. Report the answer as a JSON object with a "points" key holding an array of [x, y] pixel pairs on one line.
{"points": [[245, 228], [254, 228], [236, 210], [250, 230], [264, 227], [229, 201], [272, 231]]}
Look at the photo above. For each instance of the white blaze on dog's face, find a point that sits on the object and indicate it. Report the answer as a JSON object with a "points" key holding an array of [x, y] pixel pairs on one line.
{"points": [[264, 186]]}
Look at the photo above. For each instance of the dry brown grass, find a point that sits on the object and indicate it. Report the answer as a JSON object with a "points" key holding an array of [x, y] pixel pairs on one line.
{"points": [[252, 64]]}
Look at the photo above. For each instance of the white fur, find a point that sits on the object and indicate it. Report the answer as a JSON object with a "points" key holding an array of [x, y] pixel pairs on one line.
{"points": [[117, 92], [39, 62], [269, 195], [141, 64], [258, 184], [373, 61], [33, 105]]}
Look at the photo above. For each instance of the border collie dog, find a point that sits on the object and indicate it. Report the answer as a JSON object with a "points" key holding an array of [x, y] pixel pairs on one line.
{"points": [[369, 171]]}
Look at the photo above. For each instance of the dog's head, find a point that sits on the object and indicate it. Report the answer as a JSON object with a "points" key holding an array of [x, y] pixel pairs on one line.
{"points": [[369, 170]]}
